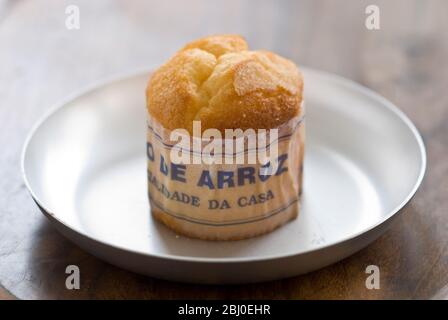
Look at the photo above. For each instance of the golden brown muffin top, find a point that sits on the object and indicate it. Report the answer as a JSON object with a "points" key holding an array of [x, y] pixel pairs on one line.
{"points": [[218, 81]]}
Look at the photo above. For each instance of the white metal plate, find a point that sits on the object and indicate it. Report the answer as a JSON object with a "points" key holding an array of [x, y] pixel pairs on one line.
{"points": [[85, 166]]}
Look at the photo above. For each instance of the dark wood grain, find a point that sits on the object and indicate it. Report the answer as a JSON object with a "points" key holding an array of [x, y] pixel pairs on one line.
{"points": [[406, 61]]}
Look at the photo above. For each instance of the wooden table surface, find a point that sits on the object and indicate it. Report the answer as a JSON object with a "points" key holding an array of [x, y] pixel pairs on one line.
{"points": [[41, 62]]}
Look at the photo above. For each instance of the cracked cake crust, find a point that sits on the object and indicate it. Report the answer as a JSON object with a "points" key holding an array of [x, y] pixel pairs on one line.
{"points": [[218, 81]]}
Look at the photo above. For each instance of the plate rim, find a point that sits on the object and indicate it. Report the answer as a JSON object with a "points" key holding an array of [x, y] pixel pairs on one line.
{"points": [[142, 71]]}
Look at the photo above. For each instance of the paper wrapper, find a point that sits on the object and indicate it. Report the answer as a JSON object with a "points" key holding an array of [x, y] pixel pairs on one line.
{"points": [[233, 203]]}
